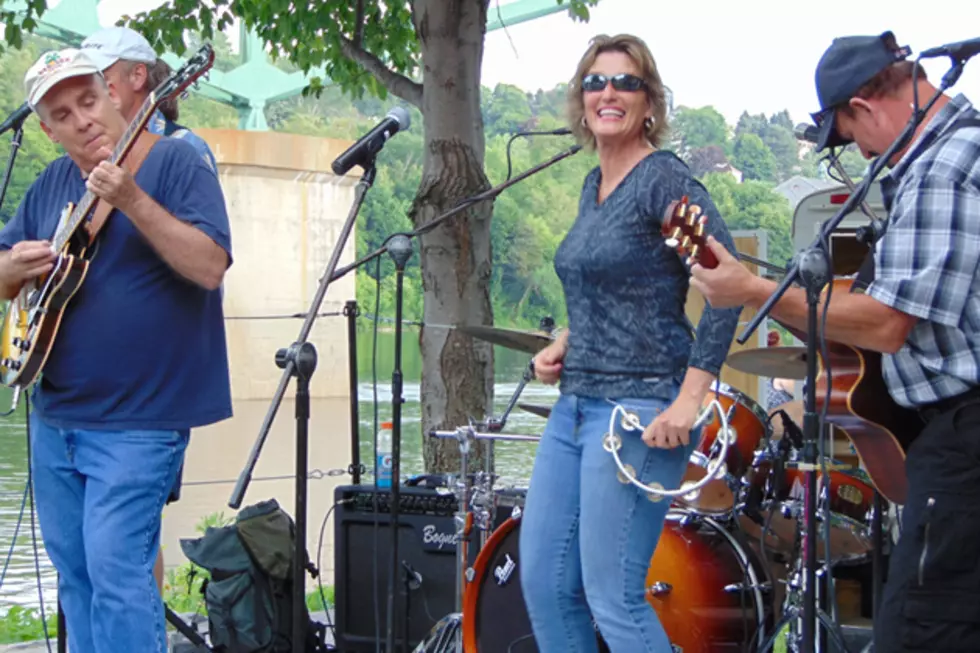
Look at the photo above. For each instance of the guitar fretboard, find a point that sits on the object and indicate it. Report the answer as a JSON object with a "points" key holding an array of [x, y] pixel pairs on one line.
{"points": [[65, 231]]}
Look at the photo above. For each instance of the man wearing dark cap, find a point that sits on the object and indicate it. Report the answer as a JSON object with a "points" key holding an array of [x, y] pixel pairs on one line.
{"points": [[921, 309]]}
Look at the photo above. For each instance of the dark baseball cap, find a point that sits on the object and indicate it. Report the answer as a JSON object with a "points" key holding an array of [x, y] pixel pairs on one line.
{"points": [[848, 64]]}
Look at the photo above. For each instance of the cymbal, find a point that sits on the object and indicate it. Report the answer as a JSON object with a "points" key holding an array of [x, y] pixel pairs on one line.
{"points": [[530, 342], [537, 409], [772, 362]]}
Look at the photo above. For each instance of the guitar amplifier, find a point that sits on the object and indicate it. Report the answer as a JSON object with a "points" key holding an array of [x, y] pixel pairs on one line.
{"points": [[362, 559]]}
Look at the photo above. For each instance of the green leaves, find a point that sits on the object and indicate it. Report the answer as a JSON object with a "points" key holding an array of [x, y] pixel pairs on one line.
{"points": [[308, 34], [579, 9]]}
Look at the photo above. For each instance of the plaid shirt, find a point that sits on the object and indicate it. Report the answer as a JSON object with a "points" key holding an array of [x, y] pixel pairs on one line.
{"points": [[926, 263]]}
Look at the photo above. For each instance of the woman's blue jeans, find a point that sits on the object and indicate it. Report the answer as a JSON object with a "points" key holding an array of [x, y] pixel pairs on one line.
{"points": [[587, 538]]}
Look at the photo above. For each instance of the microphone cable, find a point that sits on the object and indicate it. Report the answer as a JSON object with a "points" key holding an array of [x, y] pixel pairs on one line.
{"points": [[563, 131]]}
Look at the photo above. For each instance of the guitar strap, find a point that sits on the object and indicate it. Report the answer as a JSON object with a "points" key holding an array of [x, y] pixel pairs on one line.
{"points": [[134, 159]]}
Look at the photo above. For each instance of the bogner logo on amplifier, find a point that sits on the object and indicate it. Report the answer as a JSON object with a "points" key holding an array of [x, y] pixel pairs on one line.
{"points": [[433, 538]]}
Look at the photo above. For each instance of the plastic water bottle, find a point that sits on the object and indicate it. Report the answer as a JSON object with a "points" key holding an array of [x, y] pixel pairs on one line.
{"points": [[384, 455]]}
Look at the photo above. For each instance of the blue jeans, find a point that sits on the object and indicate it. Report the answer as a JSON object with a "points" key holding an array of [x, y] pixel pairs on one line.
{"points": [[99, 497], [586, 538]]}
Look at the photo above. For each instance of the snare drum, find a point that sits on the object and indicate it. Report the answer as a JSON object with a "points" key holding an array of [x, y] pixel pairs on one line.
{"points": [[747, 424], [710, 591]]}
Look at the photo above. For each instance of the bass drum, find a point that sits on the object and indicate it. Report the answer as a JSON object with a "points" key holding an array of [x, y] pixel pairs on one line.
{"points": [[710, 591]]}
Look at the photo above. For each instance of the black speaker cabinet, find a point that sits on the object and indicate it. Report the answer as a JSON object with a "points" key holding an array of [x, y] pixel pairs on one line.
{"points": [[362, 559]]}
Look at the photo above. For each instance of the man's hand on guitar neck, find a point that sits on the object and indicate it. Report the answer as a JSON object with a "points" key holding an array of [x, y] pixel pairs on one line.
{"points": [[115, 185], [854, 319]]}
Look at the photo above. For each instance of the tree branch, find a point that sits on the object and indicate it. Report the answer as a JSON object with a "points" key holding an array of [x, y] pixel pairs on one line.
{"points": [[359, 24], [396, 83]]}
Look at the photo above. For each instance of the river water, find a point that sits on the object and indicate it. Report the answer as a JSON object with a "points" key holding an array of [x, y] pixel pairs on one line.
{"points": [[218, 453]]}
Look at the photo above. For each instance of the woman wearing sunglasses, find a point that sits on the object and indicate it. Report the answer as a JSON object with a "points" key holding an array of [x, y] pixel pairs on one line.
{"points": [[586, 537]]}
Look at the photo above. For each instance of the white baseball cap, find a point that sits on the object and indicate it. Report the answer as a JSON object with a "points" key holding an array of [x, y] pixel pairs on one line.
{"points": [[54, 67], [109, 45]]}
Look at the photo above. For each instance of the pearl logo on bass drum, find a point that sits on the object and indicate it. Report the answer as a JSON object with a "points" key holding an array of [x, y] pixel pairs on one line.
{"points": [[502, 573]]}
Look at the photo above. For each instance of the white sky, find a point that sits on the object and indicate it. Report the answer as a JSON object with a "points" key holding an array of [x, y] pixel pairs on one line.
{"points": [[755, 55]]}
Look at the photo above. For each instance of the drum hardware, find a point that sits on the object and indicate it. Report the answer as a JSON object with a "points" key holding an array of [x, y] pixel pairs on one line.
{"points": [[477, 507], [659, 588], [736, 588]]}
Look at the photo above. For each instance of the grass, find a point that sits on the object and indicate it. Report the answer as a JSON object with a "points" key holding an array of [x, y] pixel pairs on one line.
{"points": [[19, 624]]}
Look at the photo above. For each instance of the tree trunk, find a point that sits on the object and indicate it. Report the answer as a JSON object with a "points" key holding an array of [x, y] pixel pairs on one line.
{"points": [[457, 370]]}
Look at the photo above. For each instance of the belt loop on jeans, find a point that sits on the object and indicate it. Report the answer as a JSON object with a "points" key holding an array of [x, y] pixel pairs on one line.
{"points": [[937, 408]]}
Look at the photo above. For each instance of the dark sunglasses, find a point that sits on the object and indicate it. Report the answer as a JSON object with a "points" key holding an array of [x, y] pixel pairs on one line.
{"points": [[620, 82]]}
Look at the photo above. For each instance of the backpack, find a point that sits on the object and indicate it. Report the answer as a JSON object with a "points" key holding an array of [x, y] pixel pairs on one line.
{"points": [[249, 594]]}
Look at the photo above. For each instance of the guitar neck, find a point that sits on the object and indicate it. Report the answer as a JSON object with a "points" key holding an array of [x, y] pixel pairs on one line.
{"points": [[87, 203]]}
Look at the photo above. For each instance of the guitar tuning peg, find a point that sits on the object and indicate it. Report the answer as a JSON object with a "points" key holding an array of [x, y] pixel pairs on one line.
{"points": [[692, 259], [674, 239]]}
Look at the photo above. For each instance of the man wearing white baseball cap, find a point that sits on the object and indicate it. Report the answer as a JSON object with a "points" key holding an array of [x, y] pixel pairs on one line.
{"points": [[140, 357], [132, 68]]}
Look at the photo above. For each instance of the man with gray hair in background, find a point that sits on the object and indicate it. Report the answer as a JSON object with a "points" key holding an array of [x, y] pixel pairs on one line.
{"points": [[132, 68]]}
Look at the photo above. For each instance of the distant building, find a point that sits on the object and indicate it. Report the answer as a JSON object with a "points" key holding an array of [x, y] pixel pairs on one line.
{"points": [[797, 187]]}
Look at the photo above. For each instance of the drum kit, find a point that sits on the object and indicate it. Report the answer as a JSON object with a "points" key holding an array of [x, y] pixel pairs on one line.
{"points": [[727, 572]]}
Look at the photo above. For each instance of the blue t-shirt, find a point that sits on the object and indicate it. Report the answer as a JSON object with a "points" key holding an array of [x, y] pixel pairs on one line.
{"points": [[139, 346]]}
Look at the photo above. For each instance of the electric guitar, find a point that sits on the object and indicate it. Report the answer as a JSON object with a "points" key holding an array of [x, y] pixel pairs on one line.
{"points": [[32, 318], [880, 430]]}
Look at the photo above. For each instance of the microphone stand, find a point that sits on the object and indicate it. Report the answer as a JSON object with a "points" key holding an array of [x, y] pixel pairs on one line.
{"points": [[300, 360], [869, 235], [356, 468], [15, 143], [400, 250], [813, 268]]}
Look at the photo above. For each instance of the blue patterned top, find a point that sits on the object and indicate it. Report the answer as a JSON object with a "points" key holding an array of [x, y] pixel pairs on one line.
{"points": [[625, 289]]}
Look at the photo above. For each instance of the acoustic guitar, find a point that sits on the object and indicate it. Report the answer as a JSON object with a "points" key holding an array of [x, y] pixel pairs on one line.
{"points": [[859, 403], [33, 317]]}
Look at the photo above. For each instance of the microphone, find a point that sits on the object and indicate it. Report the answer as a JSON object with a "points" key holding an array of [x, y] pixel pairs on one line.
{"points": [[961, 51], [364, 150], [14, 119], [412, 577], [805, 132]]}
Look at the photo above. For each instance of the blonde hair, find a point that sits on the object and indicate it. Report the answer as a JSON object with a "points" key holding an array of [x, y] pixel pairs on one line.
{"points": [[637, 50]]}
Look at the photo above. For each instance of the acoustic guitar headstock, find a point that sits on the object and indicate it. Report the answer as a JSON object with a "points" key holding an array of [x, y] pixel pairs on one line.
{"points": [[684, 231]]}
